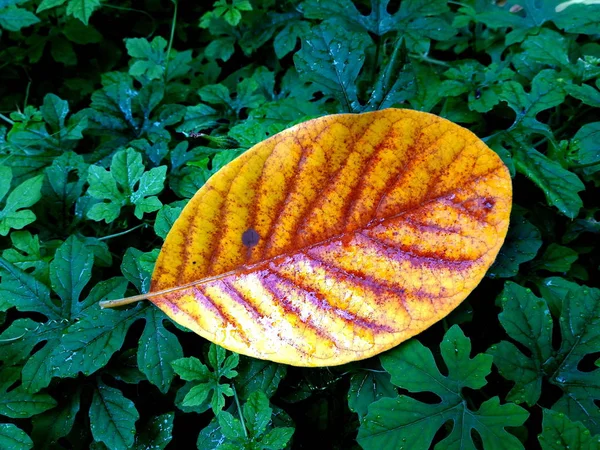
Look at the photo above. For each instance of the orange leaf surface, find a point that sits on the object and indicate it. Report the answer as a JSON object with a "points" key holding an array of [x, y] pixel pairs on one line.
{"points": [[336, 239]]}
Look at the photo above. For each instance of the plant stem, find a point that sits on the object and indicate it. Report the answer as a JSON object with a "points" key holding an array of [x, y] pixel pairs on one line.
{"points": [[237, 402], [429, 60], [6, 119], [110, 236], [173, 22], [123, 8], [583, 166]]}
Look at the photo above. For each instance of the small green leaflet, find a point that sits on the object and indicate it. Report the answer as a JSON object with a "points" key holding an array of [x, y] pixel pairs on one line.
{"points": [[150, 57], [125, 184], [12, 437], [13, 214], [156, 434], [252, 432], [80, 9], [206, 380]]}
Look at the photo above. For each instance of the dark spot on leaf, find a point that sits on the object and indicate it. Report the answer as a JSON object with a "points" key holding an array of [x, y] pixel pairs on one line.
{"points": [[250, 237], [489, 203]]}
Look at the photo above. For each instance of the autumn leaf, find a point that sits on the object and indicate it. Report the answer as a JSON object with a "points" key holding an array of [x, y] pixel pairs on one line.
{"points": [[336, 239]]}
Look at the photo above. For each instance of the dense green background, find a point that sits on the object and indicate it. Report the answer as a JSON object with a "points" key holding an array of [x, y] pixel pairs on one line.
{"points": [[114, 114]]}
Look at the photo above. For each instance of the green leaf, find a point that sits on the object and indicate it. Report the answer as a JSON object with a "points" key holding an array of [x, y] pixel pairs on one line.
{"points": [[253, 433], [25, 292], [14, 215], [156, 434], [550, 48], [149, 57], [13, 438], [70, 271], [406, 422], [48, 4], [157, 349], [54, 110], [231, 428], [560, 186], [587, 94], [534, 15], [414, 19], [558, 433], [527, 320], [89, 343], [192, 369], [257, 413], [258, 375], [277, 438], [137, 267], [165, 218], [220, 48], [367, 387], [77, 32], [333, 58], [117, 187], [285, 40], [546, 92], [580, 331], [17, 403], [13, 18], [396, 82], [586, 140], [82, 9], [63, 190], [521, 245], [557, 258], [430, 89], [112, 417], [52, 425], [554, 290], [578, 18]]}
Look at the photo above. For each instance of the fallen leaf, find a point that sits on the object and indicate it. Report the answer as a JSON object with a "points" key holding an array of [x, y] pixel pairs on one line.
{"points": [[336, 239]]}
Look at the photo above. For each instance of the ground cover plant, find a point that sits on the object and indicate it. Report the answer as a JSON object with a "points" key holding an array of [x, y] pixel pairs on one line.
{"points": [[114, 114]]}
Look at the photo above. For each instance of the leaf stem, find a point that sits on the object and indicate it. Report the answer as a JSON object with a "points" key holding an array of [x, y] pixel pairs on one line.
{"points": [[123, 8], [110, 236], [583, 166], [6, 119], [239, 408], [429, 60], [136, 298], [173, 22]]}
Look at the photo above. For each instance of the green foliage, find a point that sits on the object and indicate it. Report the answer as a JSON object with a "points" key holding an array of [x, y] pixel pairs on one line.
{"points": [[115, 114], [250, 432], [208, 382], [405, 421], [559, 432], [527, 319], [125, 184]]}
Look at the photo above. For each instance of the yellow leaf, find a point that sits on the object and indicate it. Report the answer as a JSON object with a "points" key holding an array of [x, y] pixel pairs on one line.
{"points": [[336, 239]]}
